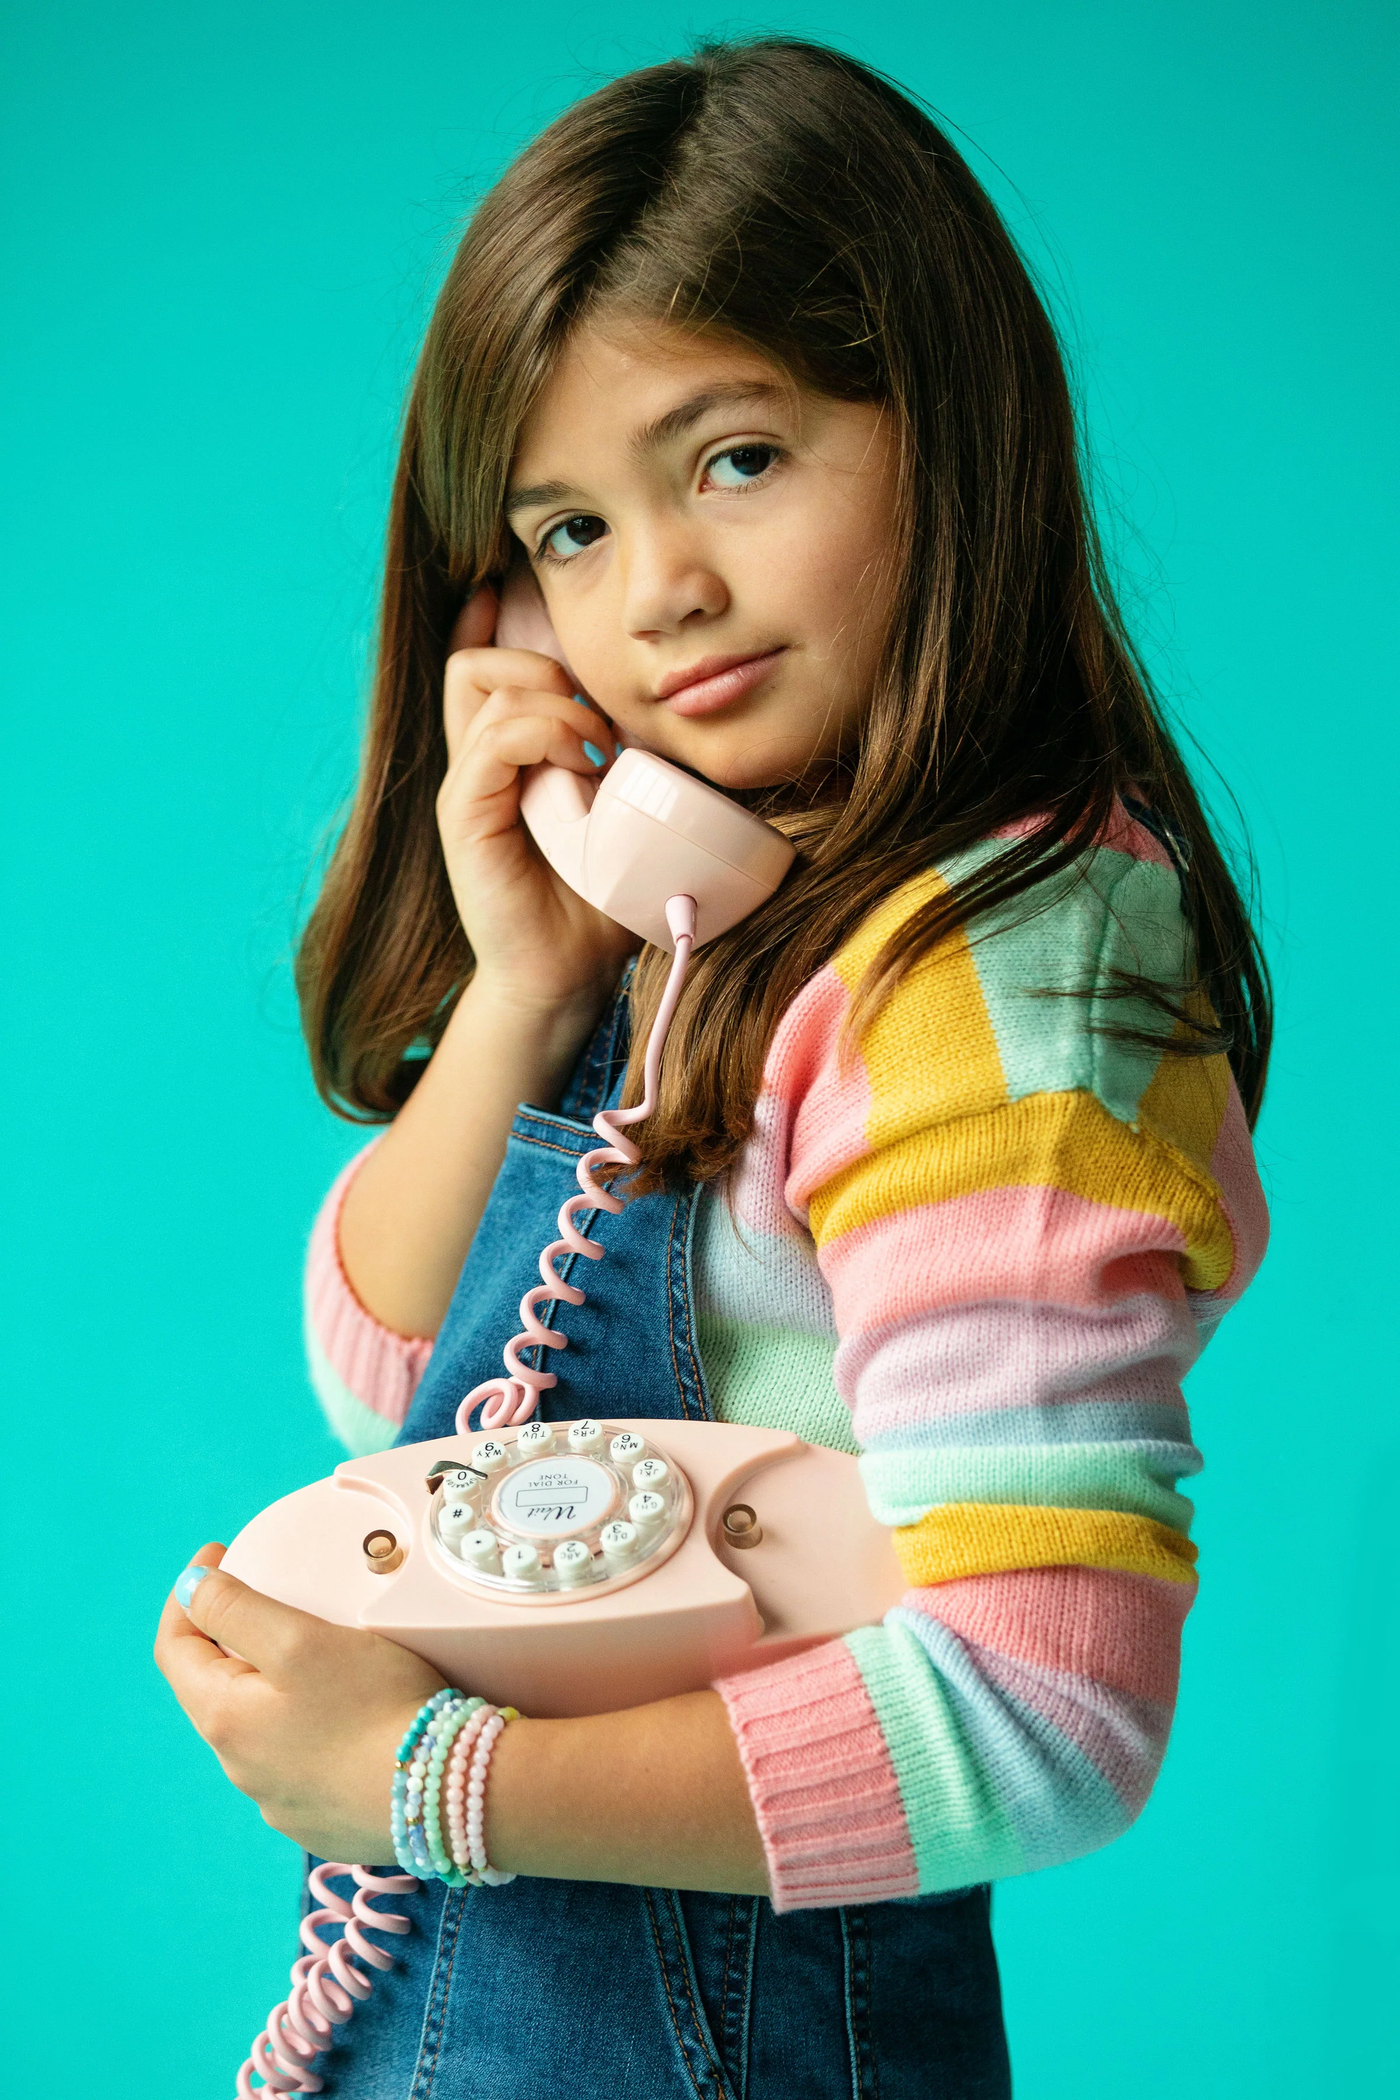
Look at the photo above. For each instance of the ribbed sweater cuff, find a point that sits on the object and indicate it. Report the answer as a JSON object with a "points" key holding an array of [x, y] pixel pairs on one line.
{"points": [[823, 1787], [380, 1368]]}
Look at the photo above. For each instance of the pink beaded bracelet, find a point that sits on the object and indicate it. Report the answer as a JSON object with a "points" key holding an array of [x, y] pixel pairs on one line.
{"points": [[465, 1795]]}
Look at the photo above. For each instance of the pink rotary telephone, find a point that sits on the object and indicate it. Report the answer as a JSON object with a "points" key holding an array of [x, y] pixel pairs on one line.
{"points": [[574, 1567]]}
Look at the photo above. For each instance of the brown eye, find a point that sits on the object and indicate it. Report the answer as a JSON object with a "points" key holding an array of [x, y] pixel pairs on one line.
{"points": [[573, 536], [741, 464]]}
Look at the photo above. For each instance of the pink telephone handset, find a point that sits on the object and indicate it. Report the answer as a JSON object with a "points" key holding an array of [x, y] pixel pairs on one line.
{"points": [[575, 1567]]}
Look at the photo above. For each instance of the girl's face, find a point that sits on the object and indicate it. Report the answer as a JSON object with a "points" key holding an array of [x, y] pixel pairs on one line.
{"points": [[715, 545]]}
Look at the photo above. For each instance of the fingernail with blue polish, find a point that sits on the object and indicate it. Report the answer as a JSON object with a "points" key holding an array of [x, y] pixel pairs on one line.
{"points": [[617, 750], [592, 751], [580, 699], [188, 1583]]}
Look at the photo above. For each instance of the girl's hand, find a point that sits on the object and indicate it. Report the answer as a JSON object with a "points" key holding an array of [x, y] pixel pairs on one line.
{"points": [[536, 942], [304, 1716]]}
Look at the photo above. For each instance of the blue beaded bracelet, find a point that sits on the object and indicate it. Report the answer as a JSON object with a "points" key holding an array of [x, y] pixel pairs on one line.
{"points": [[410, 1773]]}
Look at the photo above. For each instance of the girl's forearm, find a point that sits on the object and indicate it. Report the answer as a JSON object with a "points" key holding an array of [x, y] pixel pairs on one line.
{"points": [[655, 1796], [411, 1211]]}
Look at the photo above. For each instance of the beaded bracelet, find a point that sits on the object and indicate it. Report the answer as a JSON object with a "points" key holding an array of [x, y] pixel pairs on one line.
{"points": [[453, 1721], [450, 1735], [476, 1798], [457, 1773], [410, 1773]]}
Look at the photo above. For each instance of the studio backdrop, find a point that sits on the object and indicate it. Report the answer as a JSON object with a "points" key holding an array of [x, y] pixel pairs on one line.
{"points": [[223, 230]]}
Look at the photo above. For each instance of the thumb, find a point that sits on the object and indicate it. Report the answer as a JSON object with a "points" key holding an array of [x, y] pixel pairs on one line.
{"points": [[476, 622], [277, 1639]]}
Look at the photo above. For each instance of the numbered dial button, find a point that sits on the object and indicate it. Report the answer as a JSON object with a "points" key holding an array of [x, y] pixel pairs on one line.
{"points": [[619, 1542], [573, 1563]]}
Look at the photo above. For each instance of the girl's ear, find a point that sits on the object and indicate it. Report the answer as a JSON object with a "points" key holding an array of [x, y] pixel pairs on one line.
{"points": [[475, 625]]}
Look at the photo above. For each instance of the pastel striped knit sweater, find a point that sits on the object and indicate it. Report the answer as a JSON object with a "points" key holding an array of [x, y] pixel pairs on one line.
{"points": [[982, 1252]]}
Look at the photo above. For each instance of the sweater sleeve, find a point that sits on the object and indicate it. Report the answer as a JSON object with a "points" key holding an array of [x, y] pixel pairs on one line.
{"points": [[1027, 1224], [363, 1374]]}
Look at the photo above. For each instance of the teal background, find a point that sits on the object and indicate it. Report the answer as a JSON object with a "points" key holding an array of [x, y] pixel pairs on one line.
{"points": [[223, 230]]}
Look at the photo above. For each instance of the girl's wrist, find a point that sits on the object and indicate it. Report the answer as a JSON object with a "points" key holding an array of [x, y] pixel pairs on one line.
{"points": [[543, 1035]]}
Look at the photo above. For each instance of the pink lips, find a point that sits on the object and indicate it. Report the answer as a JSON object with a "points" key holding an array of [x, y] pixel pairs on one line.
{"points": [[715, 682]]}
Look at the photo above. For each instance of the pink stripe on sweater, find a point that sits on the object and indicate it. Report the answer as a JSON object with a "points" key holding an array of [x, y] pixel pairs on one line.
{"points": [[1122, 1736], [976, 1359], [823, 1786], [380, 1368], [1024, 1243], [1121, 834], [827, 1102], [1124, 1630]]}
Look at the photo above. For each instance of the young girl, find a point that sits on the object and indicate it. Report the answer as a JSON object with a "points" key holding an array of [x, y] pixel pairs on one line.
{"points": [[951, 1167]]}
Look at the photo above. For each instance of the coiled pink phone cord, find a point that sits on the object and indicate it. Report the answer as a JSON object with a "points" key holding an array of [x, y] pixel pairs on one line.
{"points": [[325, 1981], [512, 1400]]}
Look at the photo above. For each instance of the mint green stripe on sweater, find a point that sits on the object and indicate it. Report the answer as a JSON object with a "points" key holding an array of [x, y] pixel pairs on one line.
{"points": [[774, 1378], [359, 1428], [904, 1486], [957, 1830], [1034, 972]]}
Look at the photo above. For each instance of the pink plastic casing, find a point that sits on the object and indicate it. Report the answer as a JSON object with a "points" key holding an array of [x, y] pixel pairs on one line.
{"points": [[823, 1566], [645, 832]]}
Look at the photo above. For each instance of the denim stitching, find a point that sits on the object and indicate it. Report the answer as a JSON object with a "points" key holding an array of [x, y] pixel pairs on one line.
{"points": [[670, 1998], [855, 1941], [738, 1989], [697, 2012], [435, 2020]]}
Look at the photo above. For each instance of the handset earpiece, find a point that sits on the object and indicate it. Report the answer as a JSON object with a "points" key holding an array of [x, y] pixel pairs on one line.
{"points": [[648, 830]]}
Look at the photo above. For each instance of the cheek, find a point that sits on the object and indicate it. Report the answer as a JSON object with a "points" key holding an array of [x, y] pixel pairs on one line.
{"points": [[830, 577]]}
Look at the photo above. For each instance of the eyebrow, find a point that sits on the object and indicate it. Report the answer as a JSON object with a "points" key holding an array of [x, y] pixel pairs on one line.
{"points": [[651, 437]]}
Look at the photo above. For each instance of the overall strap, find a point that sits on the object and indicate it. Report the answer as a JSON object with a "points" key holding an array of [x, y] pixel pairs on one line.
{"points": [[632, 1347]]}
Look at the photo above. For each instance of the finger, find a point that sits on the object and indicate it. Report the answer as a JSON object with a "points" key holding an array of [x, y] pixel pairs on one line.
{"points": [[472, 675], [280, 1642], [498, 754], [196, 1669], [578, 717], [476, 622]]}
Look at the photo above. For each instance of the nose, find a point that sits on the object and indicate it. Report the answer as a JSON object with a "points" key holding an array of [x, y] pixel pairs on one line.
{"points": [[670, 585]]}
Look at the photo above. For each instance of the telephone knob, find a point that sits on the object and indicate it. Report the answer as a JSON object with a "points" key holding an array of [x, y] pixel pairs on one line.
{"points": [[534, 1440], [490, 1456], [585, 1436]]}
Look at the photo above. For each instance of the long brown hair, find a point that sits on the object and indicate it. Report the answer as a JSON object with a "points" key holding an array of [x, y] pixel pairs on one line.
{"points": [[788, 196]]}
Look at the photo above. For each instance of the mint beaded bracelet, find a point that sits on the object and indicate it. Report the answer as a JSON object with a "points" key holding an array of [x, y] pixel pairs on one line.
{"points": [[452, 1722], [410, 1772]]}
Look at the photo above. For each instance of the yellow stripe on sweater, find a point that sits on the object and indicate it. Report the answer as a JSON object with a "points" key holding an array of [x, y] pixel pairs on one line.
{"points": [[931, 1050], [991, 1538], [1185, 1102], [1059, 1141]]}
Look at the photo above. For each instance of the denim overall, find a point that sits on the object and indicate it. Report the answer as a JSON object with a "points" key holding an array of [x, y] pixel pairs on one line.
{"points": [[573, 1990]]}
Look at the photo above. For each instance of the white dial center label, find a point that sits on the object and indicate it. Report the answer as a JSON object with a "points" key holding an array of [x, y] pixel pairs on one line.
{"points": [[547, 1497]]}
